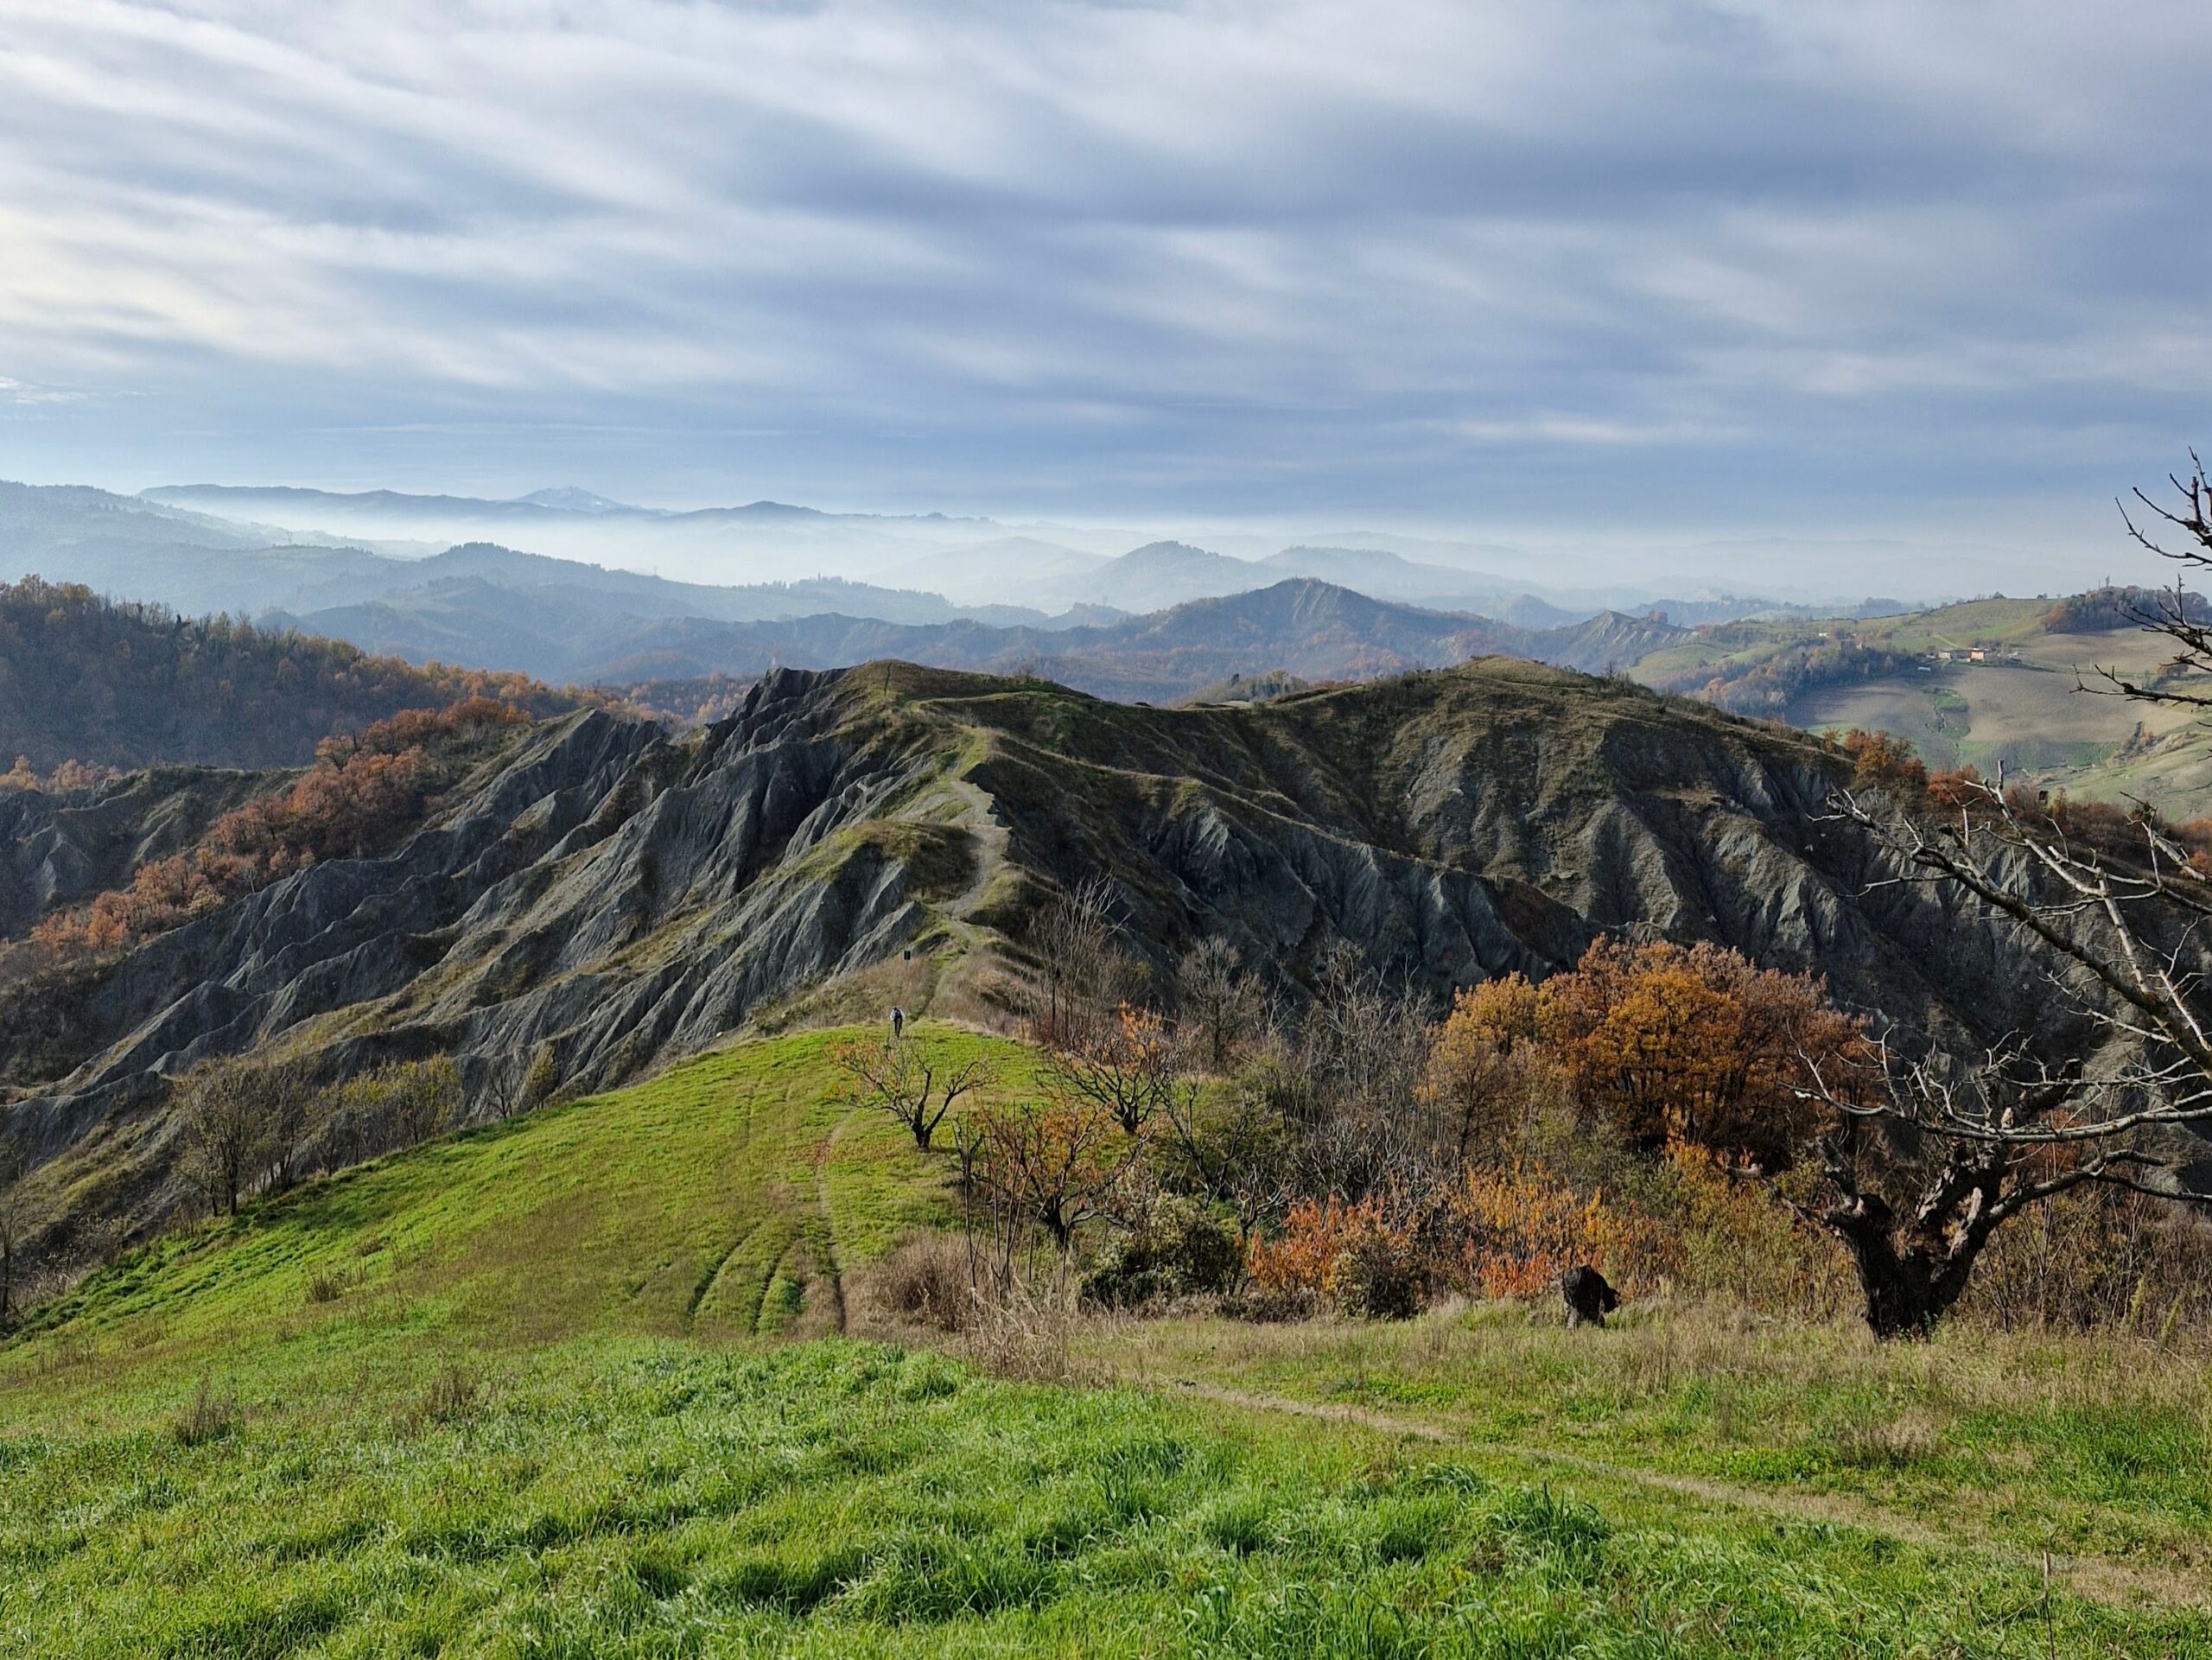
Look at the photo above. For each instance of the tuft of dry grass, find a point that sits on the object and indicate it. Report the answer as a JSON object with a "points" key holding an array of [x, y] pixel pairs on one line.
{"points": [[329, 1285], [922, 1281], [455, 1394], [1041, 1338], [207, 1417], [1872, 1442]]}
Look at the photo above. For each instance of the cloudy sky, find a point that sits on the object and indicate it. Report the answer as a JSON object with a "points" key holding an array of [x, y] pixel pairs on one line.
{"points": [[1933, 269]]}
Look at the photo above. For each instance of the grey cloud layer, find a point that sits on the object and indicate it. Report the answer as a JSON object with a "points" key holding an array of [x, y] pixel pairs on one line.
{"points": [[1450, 258]]}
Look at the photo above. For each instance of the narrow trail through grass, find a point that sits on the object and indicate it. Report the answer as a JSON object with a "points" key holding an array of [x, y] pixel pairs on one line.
{"points": [[2102, 1578], [828, 1231]]}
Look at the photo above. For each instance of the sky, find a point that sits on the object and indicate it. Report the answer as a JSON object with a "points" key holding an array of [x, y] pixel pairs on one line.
{"points": [[1582, 271]]}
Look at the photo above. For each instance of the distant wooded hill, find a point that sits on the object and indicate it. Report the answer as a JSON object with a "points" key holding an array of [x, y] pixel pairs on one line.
{"points": [[87, 680], [1309, 629]]}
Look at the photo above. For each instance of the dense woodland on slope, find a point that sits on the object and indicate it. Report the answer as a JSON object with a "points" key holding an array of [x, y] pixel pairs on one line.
{"points": [[366, 790], [85, 680]]}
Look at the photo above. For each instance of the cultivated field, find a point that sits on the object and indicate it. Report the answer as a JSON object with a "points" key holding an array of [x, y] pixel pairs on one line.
{"points": [[2021, 712]]}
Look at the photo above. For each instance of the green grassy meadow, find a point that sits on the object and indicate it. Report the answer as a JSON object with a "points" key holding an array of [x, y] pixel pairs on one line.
{"points": [[593, 1383]]}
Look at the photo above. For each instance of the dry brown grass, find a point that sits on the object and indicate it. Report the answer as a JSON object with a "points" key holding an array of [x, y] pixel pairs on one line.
{"points": [[1650, 1350], [329, 1285], [207, 1416], [455, 1393], [923, 1291], [921, 1282], [1042, 1338]]}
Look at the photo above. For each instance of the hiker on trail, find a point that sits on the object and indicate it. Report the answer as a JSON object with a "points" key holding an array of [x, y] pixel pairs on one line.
{"points": [[898, 1021]]}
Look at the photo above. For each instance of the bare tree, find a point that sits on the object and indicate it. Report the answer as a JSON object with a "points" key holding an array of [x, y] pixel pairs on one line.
{"points": [[1222, 1006], [1360, 1051], [513, 1093], [2181, 535], [1127, 1065], [2117, 909], [1057, 1163], [1237, 1152], [1086, 971], [1916, 1176], [905, 1078], [395, 1104]]}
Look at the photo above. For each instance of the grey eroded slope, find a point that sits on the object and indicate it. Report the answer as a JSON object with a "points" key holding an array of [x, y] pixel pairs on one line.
{"points": [[613, 896]]}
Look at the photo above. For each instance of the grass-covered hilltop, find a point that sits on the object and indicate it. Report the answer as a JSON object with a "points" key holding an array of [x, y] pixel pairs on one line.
{"points": [[937, 1164]]}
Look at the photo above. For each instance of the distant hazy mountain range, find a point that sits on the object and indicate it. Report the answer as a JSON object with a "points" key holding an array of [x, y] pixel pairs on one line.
{"points": [[972, 562], [760, 542], [1156, 620], [969, 561], [136, 549]]}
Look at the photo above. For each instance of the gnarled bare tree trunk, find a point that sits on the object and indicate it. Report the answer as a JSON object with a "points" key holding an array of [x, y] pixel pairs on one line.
{"points": [[2124, 920]]}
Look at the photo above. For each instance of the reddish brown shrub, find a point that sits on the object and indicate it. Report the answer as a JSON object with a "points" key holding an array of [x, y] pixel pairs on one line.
{"points": [[1697, 1044], [1882, 760]]}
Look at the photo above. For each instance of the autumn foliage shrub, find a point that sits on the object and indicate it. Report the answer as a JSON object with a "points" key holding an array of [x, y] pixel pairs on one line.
{"points": [[1880, 760], [1489, 1077], [1666, 1114], [2099, 1257], [415, 728], [1491, 1233], [1723, 1238], [1614, 1115], [1379, 1271], [1363, 1260], [1513, 1232], [1292, 1270], [69, 775], [1955, 788]]}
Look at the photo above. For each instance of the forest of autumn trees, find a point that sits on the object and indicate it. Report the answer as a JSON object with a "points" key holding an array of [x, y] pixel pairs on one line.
{"points": [[103, 684]]}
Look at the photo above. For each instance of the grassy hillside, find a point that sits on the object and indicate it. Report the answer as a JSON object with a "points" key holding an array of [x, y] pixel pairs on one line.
{"points": [[722, 1200], [517, 1392]]}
